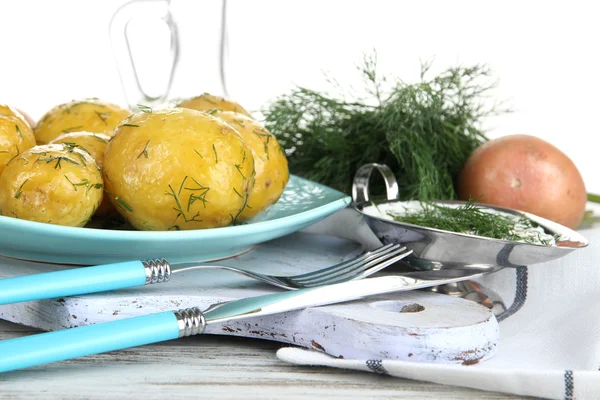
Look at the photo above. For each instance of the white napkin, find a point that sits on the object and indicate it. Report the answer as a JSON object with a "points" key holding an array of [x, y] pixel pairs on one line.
{"points": [[549, 335]]}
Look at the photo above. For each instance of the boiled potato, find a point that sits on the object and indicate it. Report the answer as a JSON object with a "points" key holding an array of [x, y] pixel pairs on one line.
{"points": [[52, 183], [90, 115], [95, 145], [8, 110], [206, 102], [15, 137], [270, 162], [178, 169]]}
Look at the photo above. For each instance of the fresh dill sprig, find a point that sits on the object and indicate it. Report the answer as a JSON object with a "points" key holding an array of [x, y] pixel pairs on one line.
{"points": [[423, 131]]}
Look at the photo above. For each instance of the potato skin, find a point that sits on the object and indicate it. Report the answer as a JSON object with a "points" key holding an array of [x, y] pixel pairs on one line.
{"points": [[15, 137], [90, 115], [206, 102], [5, 109], [53, 184], [270, 162], [178, 169], [525, 173], [95, 144]]}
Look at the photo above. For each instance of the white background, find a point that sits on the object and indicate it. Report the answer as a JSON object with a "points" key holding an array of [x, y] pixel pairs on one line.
{"points": [[544, 55]]}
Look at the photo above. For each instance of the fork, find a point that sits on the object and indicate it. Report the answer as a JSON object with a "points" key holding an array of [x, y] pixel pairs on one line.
{"points": [[128, 274]]}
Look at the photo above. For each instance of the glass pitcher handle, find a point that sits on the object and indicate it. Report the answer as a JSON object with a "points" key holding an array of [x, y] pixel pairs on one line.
{"points": [[133, 87]]}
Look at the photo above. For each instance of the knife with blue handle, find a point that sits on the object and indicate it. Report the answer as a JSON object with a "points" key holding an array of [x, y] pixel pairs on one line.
{"points": [[94, 339]]}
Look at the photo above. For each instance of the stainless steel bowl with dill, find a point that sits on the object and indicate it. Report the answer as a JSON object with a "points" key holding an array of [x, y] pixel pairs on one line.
{"points": [[452, 234], [473, 219]]}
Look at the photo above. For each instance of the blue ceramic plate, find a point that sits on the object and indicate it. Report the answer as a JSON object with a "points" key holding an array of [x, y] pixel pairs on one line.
{"points": [[302, 203]]}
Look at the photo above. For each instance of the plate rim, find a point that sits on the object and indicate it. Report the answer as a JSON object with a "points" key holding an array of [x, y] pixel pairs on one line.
{"points": [[192, 234]]}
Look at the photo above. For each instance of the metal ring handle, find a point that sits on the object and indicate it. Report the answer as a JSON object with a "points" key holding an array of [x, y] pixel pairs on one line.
{"points": [[360, 186]]}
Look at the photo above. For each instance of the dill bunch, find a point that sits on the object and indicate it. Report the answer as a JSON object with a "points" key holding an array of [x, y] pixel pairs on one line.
{"points": [[423, 131]]}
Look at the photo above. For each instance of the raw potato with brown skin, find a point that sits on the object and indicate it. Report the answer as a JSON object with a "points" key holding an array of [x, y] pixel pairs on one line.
{"points": [[52, 184], [206, 102], [15, 137], [95, 144], [270, 162], [525, 173], [90, 115], [178, 169]]}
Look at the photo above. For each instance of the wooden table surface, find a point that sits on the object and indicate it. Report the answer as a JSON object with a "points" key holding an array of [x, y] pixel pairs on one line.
{"points": [[215, 367]]}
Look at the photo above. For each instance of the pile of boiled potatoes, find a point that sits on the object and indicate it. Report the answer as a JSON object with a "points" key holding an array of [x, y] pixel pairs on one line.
{"points": [[203, 164]]}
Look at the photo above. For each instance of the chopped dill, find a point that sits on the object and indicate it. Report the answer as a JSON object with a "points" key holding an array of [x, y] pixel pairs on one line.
{"points": [[58, 160], [196, 151], [72, 129], [144, 109], [103, 116], [19, 132], [215, 151], [131, 125], [239, 168], [145, 151], [238, 193], [20, 191], [123, 204], [474, 220]]}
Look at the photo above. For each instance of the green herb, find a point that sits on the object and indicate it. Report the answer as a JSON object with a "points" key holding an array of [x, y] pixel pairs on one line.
{"points": [[215, 151], [123, 204], [100, 139], [144, 108], [19, 132], [203, 190], [179, 208], [145, 151], [424, 131], [131, 125], [238, 193], [20, 191], [262, 134], [72, 129], [86, 183], [196, 151], [103, 116], [58, 160], [470, 219], [239, 168]]}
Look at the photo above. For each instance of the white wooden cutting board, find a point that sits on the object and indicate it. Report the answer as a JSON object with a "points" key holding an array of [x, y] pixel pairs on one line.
{"points": [[415, 326]]}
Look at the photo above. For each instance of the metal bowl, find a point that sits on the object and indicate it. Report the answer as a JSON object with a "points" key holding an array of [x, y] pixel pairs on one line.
{"points": [[440, 249]]}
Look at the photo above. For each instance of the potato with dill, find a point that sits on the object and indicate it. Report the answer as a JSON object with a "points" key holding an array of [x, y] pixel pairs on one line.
{"points": [[5, 109], [178, 169], [51, 183], [15, 137], [91, 115], [270, 162], [95, 144], [206, 102]]}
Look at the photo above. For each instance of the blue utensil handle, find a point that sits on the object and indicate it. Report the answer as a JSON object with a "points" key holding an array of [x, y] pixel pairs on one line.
{"points": [[93, 339], [71, 282]]}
